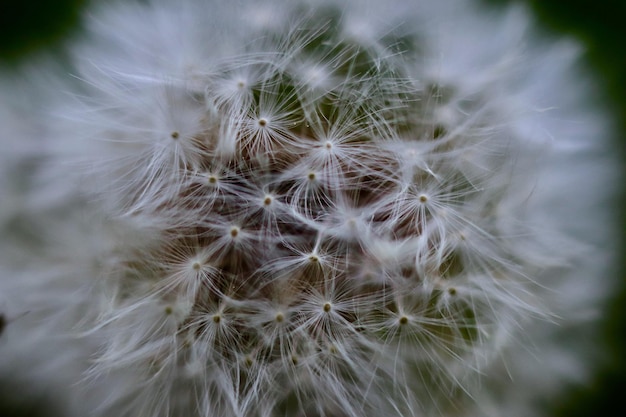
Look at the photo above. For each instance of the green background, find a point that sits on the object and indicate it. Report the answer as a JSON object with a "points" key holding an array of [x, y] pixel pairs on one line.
{"points": [[28, 27]]}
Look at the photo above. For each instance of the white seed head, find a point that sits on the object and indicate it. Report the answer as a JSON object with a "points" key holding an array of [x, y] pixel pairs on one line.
{"points": [[348, 209]]}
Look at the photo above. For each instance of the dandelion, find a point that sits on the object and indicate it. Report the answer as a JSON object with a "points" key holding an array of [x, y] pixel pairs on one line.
{"points": [[277, 209]]}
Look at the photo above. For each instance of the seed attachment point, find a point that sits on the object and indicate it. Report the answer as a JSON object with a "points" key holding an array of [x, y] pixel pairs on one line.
{"points": [[248, 360]]}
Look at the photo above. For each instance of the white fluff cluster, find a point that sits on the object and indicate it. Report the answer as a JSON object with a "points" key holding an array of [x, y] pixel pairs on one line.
{"points": [[297, 209]]}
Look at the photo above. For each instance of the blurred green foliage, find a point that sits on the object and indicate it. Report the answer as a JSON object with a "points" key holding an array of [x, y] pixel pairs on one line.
{"points": [[37, 406], [27, 27]]}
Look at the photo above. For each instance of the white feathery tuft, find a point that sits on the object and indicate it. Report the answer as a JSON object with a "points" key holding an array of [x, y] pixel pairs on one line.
{"points": [[316, 209]]}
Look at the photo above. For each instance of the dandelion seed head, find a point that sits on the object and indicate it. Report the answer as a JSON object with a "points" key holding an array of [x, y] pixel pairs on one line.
{"points": [[319, 216]]}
